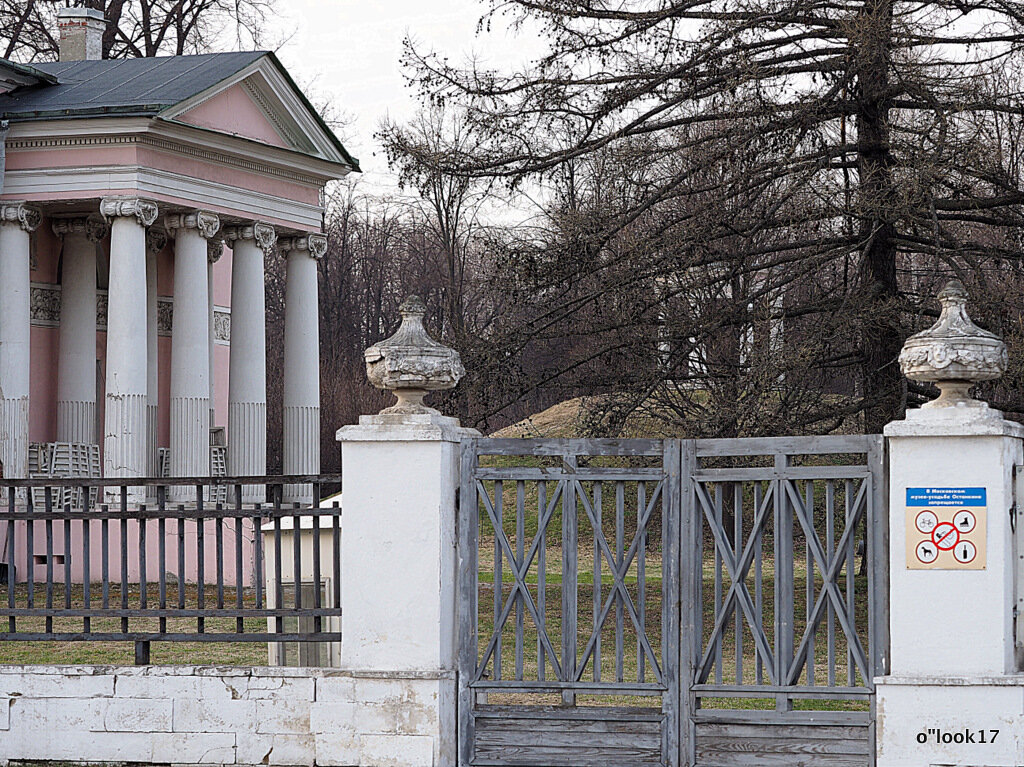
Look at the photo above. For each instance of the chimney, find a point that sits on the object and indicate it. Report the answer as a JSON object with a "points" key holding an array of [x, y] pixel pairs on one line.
{"points": [[81, 33]]}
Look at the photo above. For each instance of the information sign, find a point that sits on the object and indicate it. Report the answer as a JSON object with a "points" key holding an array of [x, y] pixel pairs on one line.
{"points": [[946, 528]]}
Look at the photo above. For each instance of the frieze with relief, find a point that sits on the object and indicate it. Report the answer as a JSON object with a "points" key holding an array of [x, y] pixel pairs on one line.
{"points": [[45, 312]]}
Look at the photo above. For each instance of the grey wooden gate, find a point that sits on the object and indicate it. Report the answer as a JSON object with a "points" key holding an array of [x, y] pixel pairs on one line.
{"points": [[785, 623], [671, 602]]}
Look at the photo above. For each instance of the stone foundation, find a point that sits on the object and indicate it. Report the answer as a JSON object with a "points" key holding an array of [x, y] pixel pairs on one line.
{"points": [[192, 715]]}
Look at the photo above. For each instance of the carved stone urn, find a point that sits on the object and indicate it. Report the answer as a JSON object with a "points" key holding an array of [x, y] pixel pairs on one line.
{"points": [[411, 363], [954, 353]]}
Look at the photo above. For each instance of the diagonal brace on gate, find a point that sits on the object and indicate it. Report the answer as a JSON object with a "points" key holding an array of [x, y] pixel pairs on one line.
{"points": [[738, 592], [520, 590], [619, 570], [830, 567]]}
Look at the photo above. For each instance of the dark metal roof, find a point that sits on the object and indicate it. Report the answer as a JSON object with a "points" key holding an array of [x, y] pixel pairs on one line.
{"points": [[29, 73], [141, 86]]}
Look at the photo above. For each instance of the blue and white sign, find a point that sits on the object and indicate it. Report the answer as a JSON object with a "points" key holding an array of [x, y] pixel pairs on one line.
{"points": [[946, 496]]}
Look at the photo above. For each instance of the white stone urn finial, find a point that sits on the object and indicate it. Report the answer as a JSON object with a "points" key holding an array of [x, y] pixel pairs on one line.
{"points": [[954, 353], [411, 363]]}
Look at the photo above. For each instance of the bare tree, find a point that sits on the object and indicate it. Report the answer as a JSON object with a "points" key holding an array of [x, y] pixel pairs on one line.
{"points": [[139, 28], [837, 152], [448, 207]]}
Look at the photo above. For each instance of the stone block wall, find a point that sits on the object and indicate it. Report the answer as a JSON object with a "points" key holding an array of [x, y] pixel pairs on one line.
{"points": [[192, 715]]}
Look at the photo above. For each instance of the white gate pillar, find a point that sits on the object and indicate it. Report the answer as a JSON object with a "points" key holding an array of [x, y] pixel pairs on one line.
{"points": [[398, 594], [247, 368], [953, 678], [125, 417], [76, 365], [17, 222], [190, 347], [301, 433]]}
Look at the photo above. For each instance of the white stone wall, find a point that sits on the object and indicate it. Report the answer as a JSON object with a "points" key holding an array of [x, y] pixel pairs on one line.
{"points": [[216, 716], [953, 720]]}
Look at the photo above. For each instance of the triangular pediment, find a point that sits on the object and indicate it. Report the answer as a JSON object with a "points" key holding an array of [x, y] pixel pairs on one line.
{"points": [[238, 111], [261, 103]]}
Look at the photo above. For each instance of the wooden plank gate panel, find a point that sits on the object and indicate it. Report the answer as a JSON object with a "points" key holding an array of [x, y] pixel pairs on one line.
{"points": [[792, 618], [739, 586], [563, 737], [568, 581]]}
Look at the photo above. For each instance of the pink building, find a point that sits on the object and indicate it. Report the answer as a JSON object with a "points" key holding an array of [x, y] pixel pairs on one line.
{"points": [[140, 199], [139, 202]]}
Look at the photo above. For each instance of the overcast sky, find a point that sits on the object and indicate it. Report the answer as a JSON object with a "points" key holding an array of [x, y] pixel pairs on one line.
{"points": [[349, 50]]}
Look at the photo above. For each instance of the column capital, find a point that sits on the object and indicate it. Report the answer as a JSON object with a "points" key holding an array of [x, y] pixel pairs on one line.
{"points": [[315, 244], [264, 234], [208, 224], [21, 213], [156, 239], [93, 228], [214, 250], [144, 211]]}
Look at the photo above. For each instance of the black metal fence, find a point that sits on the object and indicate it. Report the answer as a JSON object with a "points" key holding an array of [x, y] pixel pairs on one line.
{"points": [[147, 560]]}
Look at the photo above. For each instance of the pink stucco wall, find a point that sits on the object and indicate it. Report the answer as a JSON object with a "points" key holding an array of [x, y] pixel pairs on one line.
{"points": [[42, 403], [234, 111]]}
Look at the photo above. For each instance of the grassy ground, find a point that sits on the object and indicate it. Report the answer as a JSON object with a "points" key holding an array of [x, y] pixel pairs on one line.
{"points": [[231, 653]]}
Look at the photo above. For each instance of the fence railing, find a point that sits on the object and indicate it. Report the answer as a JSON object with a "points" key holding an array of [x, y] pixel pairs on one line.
{"points": [[147, 560]]}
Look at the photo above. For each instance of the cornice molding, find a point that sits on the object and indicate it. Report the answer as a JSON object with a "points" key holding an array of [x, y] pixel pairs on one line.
{"points": [[171, 147], [171, 188]]}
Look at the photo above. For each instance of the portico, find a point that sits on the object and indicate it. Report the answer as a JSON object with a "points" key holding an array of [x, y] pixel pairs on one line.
{"points": [[121, 324]]}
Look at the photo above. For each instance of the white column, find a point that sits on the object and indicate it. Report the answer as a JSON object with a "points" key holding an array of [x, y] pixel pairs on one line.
{"points": [[155, 242], [302, 362], [215, 250], [190, 342], [247, 372], [17, 222], [125, 429], [76, 366]]}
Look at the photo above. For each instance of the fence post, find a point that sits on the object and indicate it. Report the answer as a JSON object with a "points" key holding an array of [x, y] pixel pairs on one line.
{"points": [[951, 695], [398, 549]]}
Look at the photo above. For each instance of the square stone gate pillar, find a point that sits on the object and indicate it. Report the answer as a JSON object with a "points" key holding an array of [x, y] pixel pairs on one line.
{"points": [[953, 695], [398, 597]]}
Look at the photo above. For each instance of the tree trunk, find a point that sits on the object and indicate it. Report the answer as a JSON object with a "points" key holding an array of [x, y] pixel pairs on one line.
{"points": [[881, 336]]}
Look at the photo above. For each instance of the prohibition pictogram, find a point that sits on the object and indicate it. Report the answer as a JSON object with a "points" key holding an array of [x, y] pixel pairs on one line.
{"points": [[927, 552], [925, 521], [965, 552], [945, 536], [964, 521]]}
